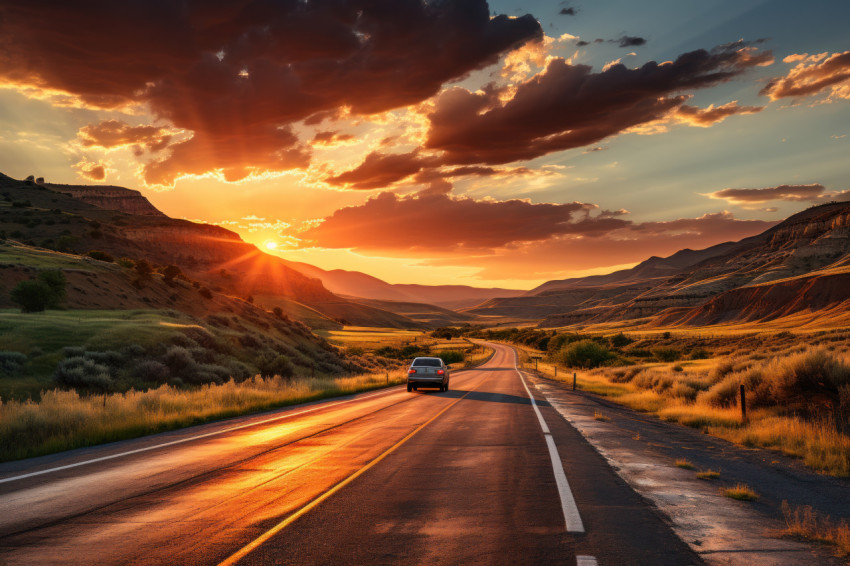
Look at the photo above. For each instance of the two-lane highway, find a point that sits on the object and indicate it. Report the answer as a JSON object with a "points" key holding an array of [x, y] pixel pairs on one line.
{"points": [[472, 475]]}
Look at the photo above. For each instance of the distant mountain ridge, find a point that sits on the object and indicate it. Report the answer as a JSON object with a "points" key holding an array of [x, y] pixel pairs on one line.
{"points": [[798, 266], [362, 285]]}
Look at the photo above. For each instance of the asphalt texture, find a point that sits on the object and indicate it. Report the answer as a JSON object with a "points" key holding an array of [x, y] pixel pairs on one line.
{"points": [[459, 477]]}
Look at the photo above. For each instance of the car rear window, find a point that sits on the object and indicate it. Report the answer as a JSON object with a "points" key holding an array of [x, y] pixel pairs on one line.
{"points": [[427, 362]]}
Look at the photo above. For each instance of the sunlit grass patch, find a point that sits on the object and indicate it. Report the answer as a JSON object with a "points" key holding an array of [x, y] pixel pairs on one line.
{"points": [[62, 420], [600, 417], [708, 475], [804, 522], [741, 492], [685, 464]]}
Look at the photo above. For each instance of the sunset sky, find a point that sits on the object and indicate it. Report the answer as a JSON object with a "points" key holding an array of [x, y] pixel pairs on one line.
{"points": [[501, 144]]}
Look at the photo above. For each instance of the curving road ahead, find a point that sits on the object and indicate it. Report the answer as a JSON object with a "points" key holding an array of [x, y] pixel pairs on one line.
{"points": [[486, 473]]}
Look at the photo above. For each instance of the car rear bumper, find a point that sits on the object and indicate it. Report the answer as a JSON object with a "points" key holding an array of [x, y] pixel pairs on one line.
{"points": [[427, 379]]}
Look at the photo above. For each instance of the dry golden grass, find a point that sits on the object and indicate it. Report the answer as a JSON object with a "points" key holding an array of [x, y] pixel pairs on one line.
{"points": [[685, 464], [741, 492], [708, 475], [805, 523], [600, 417], [64, 420]]}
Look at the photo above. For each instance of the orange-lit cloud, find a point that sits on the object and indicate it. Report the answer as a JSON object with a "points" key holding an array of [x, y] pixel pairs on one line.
{"points": [[706, 117], [237, 75], [92, 171], [328, 138], [814, 192], [514, 239], [110, 134], [435, 221], [813, 75], [568, 106]]}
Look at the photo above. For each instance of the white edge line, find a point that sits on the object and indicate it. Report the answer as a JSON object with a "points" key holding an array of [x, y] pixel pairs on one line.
{"points": [[572, 519], [191, 438], [582, 560]]}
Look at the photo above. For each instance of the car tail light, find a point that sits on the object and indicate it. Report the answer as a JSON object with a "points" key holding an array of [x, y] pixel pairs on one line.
{"points": [[411, 370], [441, 371]]}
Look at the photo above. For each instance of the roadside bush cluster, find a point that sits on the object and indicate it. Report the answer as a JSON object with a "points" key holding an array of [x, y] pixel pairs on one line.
{"points": [[12, 363]]}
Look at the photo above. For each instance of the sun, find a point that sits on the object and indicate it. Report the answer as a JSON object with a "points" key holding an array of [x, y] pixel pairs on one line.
{"points": [[271, 245]]}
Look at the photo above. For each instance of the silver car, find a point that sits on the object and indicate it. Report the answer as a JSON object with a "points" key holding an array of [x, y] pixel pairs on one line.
{"points": [[428, 372]]}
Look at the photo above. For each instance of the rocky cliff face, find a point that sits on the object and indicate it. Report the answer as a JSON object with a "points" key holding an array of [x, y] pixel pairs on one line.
{"points": [[110, 198]]}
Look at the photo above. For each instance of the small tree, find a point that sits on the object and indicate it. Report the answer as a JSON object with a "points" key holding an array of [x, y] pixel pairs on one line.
{"points": [[56, 281], [31, 295], [170, 272], [36, 295]]}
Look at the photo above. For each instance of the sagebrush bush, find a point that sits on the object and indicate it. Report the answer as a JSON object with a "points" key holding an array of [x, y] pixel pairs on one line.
{"points": [[585, 354], [12, 363], [665, 354], [83, 374], [726, 392], [151, 370], [808, 383]]}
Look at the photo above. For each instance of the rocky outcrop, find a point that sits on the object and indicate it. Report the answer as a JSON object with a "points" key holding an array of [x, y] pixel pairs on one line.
{"points": [[109, 197], [762, 303]]}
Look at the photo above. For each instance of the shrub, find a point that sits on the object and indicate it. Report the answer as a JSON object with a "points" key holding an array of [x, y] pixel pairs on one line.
{"points": [[83, 374], [700, 354], [271, 364], [126, 262], [101, 256], [31, 295], [451, 356], [726, 392], [46, 291], [205, 293], [151, 370], [180, 361], [807, 383], [143, 269], [666, 354], [585, 354], [12, 363], [620, 340]]}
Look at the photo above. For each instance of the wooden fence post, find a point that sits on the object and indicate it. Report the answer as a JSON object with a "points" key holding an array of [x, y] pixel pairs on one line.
{"points": [[743, 405], [574, 381]]}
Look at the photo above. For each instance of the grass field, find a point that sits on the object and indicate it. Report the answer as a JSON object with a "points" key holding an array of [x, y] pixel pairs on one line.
{"points": [[62, 420], [42, 336]]}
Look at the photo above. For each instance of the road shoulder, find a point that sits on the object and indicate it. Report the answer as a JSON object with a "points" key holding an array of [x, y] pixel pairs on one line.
{"points": [[643, 450]]}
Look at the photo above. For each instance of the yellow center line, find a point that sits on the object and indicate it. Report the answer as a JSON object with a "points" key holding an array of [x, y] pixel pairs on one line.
{"points": [[253, 545]]}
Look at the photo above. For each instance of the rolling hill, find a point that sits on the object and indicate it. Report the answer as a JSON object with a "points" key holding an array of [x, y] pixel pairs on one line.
{"points": [[77, 219]]}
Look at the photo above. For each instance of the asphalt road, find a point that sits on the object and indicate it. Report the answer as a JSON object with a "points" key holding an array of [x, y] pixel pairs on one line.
{"points": [[475, 475]]}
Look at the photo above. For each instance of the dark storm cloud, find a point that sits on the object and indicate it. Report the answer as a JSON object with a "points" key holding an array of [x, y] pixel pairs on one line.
{"points": [[568, 12], [236, 74], [582, 43], [629, 41], [568, 106]]}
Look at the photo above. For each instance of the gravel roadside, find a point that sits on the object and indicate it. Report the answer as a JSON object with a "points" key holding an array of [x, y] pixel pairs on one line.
{"points": [[643, 450]]}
